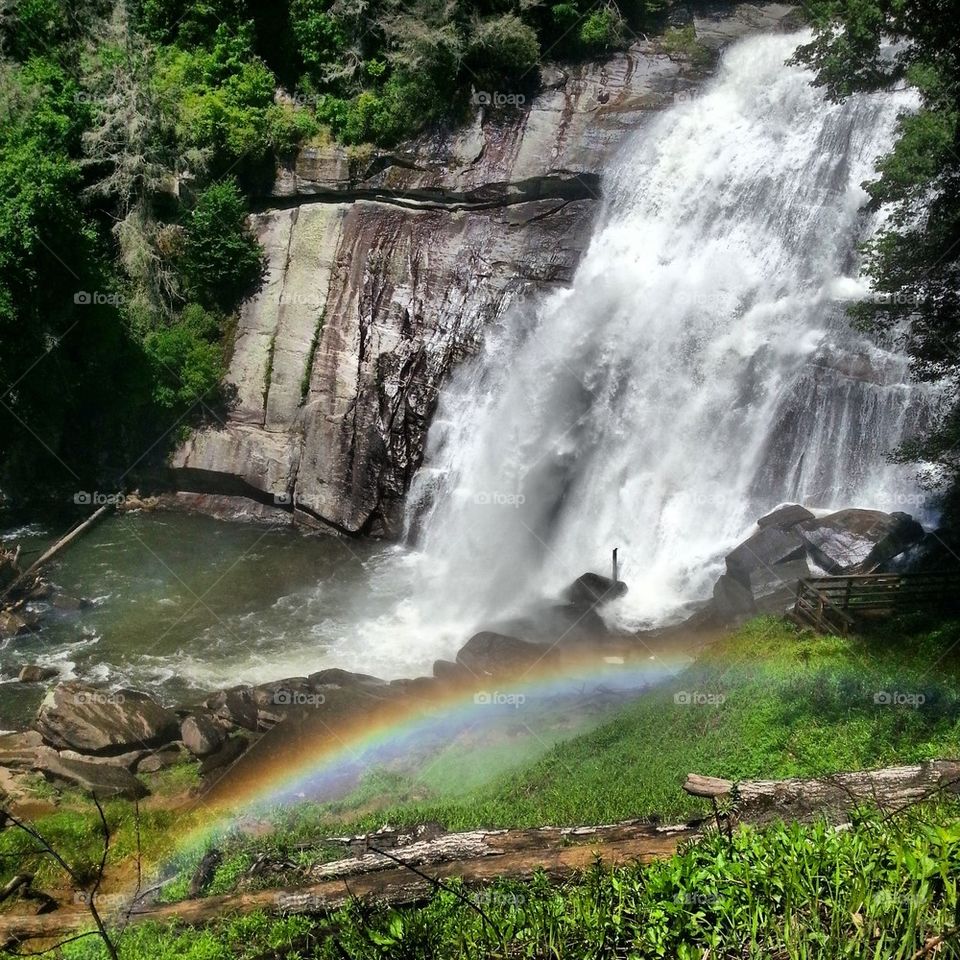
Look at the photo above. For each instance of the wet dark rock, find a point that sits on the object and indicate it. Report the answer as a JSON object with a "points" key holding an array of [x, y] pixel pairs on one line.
{"points": [[102, 780], [67, 604], [783, 518], [937, 551], [765, 549], [128, 761], [415, 687], [569, 624], [592, 589], [732, 601], [859, 541], [32, 673], [235, 707], [78, 716], [779, 577], [41, 590], [282, 693], [336, 677], [204, 873], [449, 672], [201, 735], [231, 749], [492, 654]]}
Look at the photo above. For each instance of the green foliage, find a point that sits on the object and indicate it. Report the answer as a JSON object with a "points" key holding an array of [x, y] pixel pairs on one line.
{"points": [[601, 30], [503, 50], [221, 261], [222, 101], [682, 42], [883, 888], [320, 35], [186, 361]]}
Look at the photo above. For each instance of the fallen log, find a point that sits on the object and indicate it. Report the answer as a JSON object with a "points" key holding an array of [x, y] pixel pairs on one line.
{"points": [[559, 852], [60, 545], [832, 797]]}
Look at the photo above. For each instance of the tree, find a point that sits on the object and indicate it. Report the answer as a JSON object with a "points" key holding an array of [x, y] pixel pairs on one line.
{"points": [[222, 261]]}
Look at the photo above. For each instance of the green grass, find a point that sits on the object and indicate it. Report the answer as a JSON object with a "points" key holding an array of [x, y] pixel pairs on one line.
{"points": [[880, 889], [794, 704]]}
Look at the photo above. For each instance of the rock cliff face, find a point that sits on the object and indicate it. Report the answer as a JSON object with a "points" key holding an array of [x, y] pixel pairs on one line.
{"points": [[384, 268]]}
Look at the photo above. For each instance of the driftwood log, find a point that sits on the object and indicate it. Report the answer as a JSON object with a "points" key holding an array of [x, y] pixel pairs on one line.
{"points": [[481, 856], [28, 576], [477, 858]]}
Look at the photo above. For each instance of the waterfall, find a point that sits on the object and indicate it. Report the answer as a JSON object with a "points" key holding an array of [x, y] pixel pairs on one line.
{"points": [[699, 370]]}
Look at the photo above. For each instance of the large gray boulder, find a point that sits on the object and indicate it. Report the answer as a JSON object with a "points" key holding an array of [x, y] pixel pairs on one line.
{"points": [[33, 673], [102, 780], [783, 518], [78, 716], [201, 735], [335, 677], [19, 750], [767, 548], [235, 707], [858, 541], [732, 600], [495, 654]]}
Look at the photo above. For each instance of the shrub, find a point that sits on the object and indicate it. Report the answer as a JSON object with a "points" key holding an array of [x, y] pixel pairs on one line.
{"points": [[601, 30], [503, 49], [221, 261], [186, 360]]}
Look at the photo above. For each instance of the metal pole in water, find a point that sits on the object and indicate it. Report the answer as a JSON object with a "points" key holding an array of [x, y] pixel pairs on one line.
{"points": [[616, 566]]}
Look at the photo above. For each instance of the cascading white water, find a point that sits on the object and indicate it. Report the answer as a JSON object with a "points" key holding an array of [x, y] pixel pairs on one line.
{"points": [[699, 371]]}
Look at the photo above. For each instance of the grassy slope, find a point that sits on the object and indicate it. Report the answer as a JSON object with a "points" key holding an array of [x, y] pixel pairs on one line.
{"points": [[795, 704]]}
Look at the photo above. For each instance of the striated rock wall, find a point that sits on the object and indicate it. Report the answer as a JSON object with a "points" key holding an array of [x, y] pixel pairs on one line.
{"points": [[384, 268]]}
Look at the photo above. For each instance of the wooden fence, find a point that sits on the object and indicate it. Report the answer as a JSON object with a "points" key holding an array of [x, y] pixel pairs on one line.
{"points": [[832, 604]]}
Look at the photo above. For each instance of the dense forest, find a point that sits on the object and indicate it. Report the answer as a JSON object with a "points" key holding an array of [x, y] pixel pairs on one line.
{"points": [[135, 133]]}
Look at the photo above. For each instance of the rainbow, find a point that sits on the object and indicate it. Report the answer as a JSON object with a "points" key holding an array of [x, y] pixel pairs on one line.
{"points": [[319, 751]]}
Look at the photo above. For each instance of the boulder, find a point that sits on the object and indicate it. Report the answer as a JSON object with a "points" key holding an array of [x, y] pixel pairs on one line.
{"points": [[161, 759], [201, 735], [774, 589], [67, 604], [235, 707], [732, 600], [783, 518], [424, 687], [778, 578], [103, 781], [449, 672], [12, 625], [128, 761], [766, 548], [19, 750], [859, 541], [491, 654], [227, 753], [283, 693], [32, 673], [593, 588], [78, 716]]}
